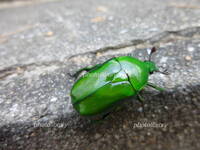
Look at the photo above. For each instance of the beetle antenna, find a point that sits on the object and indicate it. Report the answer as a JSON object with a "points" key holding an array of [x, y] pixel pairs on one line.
{"points": [[165, 72], [150, 52]]}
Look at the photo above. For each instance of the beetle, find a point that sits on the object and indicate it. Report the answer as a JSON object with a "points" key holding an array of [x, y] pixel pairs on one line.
{"points": [[104, 85]]}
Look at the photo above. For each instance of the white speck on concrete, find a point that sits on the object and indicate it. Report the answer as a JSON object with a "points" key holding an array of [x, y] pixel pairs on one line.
{"points": [[163, 60], [153, 29], [140, 109], [110, 18], [166, 107], [14, 108], [190, 49], [123, 31], [53, 99]]}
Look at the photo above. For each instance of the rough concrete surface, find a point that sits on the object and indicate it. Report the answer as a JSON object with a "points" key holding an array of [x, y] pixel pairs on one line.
{"points": [[42, 42]]}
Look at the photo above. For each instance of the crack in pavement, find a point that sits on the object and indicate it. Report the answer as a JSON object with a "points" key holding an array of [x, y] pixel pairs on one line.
{"points": [[156, 40], [163, 37], [19, 69]]}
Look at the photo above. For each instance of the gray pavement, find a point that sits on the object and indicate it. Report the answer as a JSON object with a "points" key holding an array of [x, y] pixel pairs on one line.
{"points": [[52, 31], [40, 43]]}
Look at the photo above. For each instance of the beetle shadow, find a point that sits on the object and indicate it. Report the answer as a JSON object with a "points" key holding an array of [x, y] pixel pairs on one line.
{"points": [[165, 107]]}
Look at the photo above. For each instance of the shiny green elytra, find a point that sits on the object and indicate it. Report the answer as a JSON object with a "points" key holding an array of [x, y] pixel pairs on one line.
{"points": [[104, 85]]}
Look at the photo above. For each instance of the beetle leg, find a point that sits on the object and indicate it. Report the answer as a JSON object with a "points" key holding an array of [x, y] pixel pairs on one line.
{"points": [[155, 87], [75, 75], [116, 109], [106, 115], [101, 119], [141, 100]]}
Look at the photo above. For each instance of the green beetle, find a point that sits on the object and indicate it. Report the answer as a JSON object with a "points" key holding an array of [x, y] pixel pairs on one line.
{"points": [[104, 85]]}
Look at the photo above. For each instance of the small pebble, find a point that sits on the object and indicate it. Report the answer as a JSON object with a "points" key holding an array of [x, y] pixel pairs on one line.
{"points": [[33, 134], [117, 137], [166, 107], [188, 58], [53, 99], [124, 126], [140, 109], [98, 54], [102, 8], [148, 133], [48, 34], [98, 19], [97, 136]]}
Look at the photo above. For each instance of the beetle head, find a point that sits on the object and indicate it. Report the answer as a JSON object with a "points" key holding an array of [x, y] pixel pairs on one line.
{"points": [[151, 65]]}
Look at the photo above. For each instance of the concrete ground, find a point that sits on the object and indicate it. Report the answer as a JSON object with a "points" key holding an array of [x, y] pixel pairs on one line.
{"points": [[42, 41]]}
